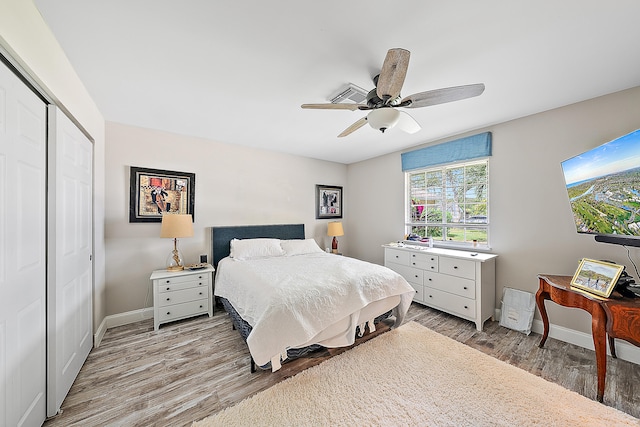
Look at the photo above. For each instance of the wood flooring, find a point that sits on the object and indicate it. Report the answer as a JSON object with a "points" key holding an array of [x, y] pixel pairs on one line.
{"points": [[194, 368]]}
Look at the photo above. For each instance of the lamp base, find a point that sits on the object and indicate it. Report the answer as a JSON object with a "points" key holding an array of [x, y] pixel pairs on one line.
{"points": [[175, 268]]}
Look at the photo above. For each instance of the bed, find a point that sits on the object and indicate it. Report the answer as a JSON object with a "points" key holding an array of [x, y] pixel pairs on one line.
{"points": [[287, 297]]}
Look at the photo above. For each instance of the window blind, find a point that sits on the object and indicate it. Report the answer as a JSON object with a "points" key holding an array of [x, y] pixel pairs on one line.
{"points": [[471, 147]]}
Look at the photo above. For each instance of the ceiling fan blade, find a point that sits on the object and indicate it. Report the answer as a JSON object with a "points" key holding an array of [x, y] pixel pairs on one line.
{"points": [[354, 127], [442, 96], [351, 107], [394, 70], [407, 124]]}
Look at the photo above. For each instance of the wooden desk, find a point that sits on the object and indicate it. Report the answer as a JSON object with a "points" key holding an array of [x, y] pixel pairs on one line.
{"points": [[623, 320], [617, 316], [558, 289]]}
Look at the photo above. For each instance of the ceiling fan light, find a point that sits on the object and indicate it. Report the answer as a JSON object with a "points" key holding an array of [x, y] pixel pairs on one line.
{"points": [[383, 118]]}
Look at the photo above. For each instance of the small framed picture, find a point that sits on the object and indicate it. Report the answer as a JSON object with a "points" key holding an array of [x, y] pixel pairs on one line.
{"points": [[328, 201], [154, 192], [596, 277]]}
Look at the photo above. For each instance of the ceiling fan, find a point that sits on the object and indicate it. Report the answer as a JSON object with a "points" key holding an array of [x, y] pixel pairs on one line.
{"points": [[384, 99]]}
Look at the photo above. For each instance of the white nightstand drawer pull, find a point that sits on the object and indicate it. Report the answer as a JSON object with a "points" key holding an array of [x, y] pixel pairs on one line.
{"points": [[168, 288]]}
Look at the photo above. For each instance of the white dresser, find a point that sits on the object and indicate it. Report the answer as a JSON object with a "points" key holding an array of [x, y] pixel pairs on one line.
{"points": [[181, 294], [461, 283]]}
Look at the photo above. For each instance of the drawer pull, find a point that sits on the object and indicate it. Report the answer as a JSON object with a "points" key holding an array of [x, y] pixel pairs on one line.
{"points": [[466, 306], [455, 267], [465, 288], [168, 288], [430, 279], [413, 263], [200, 305], [168, 299], [430, 296], [168, 281], [168, 313], [200, 293], [416, 276], [432, 267], [199, 277], [433, 259], [397, 256]]}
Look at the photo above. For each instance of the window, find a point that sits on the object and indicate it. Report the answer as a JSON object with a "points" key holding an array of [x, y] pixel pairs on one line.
{"points": [[449, 203]]}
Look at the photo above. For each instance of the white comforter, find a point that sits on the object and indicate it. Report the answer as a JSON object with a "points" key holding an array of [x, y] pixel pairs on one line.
{"points": [[288, 300]]}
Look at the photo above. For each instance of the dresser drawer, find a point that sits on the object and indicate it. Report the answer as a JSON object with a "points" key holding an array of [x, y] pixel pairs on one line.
{"points": [[450, 303], [424, 261], [419, 296], [173, 284], [186, 309], [396, 256], [458, 267], [410, 274], [452, 284], [182, 295]]}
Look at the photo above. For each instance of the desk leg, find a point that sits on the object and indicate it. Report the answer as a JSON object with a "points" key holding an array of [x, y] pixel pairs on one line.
{"points": [[598, 323], [541, 295]]}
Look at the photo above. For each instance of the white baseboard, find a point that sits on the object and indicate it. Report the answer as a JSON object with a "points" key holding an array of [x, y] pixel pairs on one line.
{"points": [[97, 337], [120, 320], [624, 350]]}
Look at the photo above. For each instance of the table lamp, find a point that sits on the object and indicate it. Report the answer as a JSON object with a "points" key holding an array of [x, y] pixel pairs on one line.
{"points": [[335, 229], [174, 226]]}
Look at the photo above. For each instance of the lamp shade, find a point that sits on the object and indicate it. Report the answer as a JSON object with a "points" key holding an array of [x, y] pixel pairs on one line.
{"points": [[176, 225], [335, 229], [383, 118]]}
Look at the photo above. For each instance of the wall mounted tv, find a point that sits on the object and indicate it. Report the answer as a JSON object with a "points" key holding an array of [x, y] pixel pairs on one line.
{"points": [[603, 185]]}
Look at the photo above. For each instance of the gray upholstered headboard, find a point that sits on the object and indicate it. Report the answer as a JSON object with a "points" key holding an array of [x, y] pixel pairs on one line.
{"points": [[221, 236]]}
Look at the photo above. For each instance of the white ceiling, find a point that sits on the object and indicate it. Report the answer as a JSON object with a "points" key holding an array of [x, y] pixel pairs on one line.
{"points": [[237, 71]]}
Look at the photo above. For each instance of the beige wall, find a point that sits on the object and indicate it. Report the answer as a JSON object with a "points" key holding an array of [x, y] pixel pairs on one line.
{"points": [[532, 229], [234, 185], [28, 41]]}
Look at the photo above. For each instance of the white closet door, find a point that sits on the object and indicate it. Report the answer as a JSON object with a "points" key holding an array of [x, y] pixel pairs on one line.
{"points": [[70, 288], [22, 253]]}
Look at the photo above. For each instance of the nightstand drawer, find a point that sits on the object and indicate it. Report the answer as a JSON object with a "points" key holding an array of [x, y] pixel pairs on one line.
{"points": [[184, 295], [186, 283], [187, 309]]}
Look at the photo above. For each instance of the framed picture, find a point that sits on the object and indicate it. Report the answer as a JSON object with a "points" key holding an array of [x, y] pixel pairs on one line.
{"points": [[596, 277], [328, 201], [155, 191]]}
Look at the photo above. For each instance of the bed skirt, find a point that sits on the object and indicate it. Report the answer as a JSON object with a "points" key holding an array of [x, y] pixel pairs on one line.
{"points": [[293, 353]]}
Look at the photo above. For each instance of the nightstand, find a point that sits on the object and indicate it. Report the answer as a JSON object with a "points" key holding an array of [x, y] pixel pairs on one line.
{"points": [[181, 294]]}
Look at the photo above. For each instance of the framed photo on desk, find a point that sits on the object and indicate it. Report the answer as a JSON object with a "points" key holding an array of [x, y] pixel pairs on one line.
{"points": [[596, 277]]}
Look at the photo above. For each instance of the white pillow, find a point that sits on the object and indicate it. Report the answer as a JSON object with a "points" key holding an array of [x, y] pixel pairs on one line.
{"points": [[300, 247], [255, 248]]}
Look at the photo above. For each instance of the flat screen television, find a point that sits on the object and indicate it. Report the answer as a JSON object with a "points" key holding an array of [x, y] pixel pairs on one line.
{"points": [[603, 185]]}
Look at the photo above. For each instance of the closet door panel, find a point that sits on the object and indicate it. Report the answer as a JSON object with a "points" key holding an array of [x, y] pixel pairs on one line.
{"points": [[70, 255], [22, 253]]}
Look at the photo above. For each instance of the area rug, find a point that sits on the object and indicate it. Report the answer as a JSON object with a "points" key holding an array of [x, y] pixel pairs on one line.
{"points": [[412, 376]]}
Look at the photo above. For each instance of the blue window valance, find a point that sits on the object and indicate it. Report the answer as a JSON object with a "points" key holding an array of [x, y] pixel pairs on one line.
{"points": [[471, 147]]}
